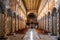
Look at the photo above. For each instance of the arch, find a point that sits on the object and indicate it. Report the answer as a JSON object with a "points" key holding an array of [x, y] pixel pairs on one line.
{"points": [[48, 13], [31, 18], [9, 12], [54, 21], [31, 15], [31, 12], [54, 11]]}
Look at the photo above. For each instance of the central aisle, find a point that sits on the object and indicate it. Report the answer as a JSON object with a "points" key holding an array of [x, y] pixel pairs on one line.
{"points": [[31, 35]]}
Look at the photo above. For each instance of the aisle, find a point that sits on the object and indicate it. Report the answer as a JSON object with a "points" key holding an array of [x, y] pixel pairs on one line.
{"points": [[31, 34]]}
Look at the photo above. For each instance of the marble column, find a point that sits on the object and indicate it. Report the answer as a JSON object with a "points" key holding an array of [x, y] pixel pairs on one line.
{"points": [[2, 20], [59, 20]]}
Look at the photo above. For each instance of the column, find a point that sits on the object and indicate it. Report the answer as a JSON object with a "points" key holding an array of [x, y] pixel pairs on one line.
{"points": [[54, 22], [59, 22], [2, 20], [18, 21], [59, 26], [45, 22], [15, 21], [48, 20], [12, 24], [9, 21]]}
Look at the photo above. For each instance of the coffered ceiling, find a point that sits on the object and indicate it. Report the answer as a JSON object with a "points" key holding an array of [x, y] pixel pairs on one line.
{"points": [[31, 4]]}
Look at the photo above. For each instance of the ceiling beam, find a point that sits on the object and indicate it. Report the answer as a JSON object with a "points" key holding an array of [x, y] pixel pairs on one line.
{"points": [[31, 9], [24, 4], [39, 4]]}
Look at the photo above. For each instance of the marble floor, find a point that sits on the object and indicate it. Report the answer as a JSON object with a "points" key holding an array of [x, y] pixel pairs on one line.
{"points": [[31, 34]]}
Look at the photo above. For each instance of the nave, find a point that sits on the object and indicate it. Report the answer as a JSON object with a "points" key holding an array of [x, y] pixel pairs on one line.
{"points": [[29, 19], [32, 34]]}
